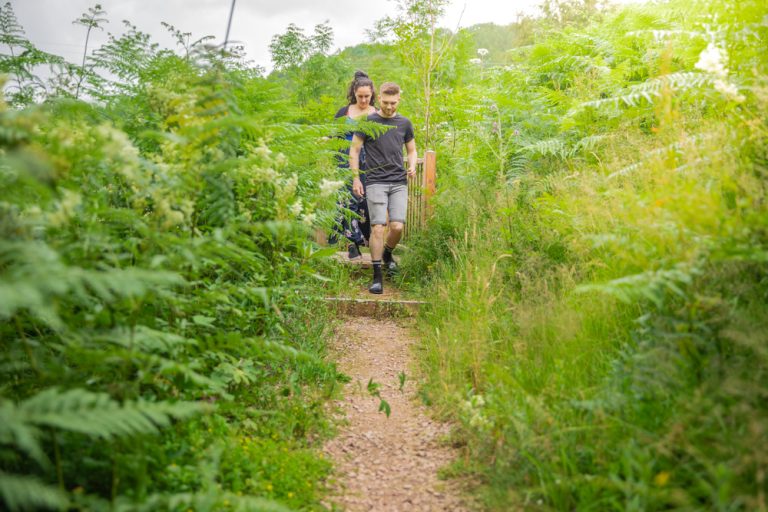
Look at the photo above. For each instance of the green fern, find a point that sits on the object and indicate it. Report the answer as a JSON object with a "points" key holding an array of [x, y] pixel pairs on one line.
{"points": [[654, 285], [147, 340], [29, 493], [549, 147], [211, 501], [33, 277], [651, 89], [675, 148], [93, 414]]}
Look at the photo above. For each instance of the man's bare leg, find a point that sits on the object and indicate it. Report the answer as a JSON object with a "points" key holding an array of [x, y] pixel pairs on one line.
{"points": [[395, 234], [377, 249]]}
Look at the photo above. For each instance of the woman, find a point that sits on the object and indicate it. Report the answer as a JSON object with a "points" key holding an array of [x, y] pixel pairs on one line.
{"points": [[361, 96]]}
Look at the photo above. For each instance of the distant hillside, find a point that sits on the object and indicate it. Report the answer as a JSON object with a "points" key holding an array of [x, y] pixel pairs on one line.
{"points": [[497, 39]]}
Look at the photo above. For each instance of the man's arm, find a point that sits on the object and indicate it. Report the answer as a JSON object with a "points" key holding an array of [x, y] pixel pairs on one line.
{"points": [[410, 148], [354, 165]]}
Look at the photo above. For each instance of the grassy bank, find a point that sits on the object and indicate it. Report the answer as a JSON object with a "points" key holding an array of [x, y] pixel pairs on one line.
{"points": [[598, 271]]}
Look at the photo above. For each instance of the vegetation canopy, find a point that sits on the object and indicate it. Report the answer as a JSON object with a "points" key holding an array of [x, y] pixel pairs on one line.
{"points": [[595, 266]]}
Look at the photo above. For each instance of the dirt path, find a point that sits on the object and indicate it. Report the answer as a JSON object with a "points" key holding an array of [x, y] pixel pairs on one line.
{"points": [[386, 464]]}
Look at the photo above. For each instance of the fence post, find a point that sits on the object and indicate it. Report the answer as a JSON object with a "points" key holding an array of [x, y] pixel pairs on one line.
{"points": [[430, 180]]}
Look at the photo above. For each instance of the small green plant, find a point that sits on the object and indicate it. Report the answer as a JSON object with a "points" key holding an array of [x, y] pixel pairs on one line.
{"points": [[401, 377], [375, 391]]}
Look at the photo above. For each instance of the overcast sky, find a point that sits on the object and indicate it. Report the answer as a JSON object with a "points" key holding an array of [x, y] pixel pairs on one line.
{"points": [[48, 23]]}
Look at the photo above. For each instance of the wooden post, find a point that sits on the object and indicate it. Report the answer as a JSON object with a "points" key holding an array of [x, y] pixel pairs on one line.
{"points": [[430, 180], [420, 191]]}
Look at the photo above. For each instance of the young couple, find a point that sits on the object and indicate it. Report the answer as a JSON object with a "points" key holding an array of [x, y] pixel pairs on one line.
{"points": [[379, 173]]}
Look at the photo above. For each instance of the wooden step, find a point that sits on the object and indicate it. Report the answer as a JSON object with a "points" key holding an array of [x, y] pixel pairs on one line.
{"points": [[376, 306], [364, 261]]}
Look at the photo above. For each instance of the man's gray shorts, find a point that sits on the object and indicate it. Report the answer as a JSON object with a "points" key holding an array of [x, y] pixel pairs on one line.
{"points": [[387, 196]]}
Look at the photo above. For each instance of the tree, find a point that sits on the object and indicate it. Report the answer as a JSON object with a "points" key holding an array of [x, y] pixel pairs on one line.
{"points": [[292, 48], [417, 42], [21, 59]]}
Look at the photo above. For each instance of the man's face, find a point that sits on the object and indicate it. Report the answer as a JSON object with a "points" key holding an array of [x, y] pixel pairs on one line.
{"points": [[388, 104]]}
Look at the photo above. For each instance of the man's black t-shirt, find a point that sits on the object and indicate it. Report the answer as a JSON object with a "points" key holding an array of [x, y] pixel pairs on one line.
{"points": [[384, 154]]}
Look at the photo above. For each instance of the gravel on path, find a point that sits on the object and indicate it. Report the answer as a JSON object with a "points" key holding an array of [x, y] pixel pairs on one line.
{"points": [[386, 464]]}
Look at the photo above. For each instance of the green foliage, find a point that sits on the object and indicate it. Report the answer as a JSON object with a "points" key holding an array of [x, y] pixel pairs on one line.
{"points": [[374, 389], [21, 59], [291, 49], [596, 262], [157, 285], [24, 493]]}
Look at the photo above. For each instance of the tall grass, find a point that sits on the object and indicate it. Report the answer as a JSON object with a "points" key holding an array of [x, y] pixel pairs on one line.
{"points": [[599, 313]]}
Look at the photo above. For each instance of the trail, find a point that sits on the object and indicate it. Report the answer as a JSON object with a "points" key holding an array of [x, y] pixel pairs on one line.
{"points": [[387, 464]]}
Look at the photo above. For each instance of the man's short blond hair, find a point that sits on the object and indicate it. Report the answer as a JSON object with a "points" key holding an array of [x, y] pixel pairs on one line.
{"points": [[390, 88]]}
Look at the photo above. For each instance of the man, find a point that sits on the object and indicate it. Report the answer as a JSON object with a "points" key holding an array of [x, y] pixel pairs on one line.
{"points": [[386, 178]]}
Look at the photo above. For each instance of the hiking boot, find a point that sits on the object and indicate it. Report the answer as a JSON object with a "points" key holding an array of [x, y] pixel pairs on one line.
{"points": [[391, 268], [353, 251], [377, 287]]}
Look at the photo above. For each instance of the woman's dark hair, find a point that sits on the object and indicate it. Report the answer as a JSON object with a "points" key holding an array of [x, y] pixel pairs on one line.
{"points": [[361, 80]]}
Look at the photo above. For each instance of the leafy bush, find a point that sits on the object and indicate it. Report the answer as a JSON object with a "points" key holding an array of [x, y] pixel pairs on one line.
{"points": [[156, 288]]}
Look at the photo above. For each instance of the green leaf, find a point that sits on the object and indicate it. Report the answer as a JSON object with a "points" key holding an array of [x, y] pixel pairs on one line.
{"points": [[29, 493], [207, 321], [98, 415], [385, 407]]}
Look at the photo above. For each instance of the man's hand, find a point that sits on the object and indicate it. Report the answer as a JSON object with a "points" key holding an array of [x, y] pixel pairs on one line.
{"points": [[357, 187], [412, 172]]}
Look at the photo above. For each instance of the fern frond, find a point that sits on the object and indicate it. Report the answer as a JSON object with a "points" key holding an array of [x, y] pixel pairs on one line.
{"points": [[553, 147], [34, 276], [98, 415], [651, 89], [588, 143], [204, 501], [218, 204], [28, 493], [654, 285], [156, 365], [664, 35], [147, 340], [676, 148], [14, 431], [517, 164]]}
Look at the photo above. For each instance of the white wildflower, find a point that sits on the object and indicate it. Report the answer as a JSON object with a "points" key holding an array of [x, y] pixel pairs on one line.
{"points": [[308, 219], [119, 148], [296, 208], [712, 60], [281, 160], [475, 61], [263, 151], [482, 52], [290, 185], [328, 187], [728, 90], [263, 175], [477, 401], [65, 207]]}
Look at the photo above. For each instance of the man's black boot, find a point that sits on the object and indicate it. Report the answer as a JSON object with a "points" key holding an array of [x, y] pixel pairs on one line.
{"points": [[378, 286], [390, 265]]}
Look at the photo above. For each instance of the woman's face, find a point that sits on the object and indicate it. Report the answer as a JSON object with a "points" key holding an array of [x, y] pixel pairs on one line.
{"points": [[363, 96]]}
